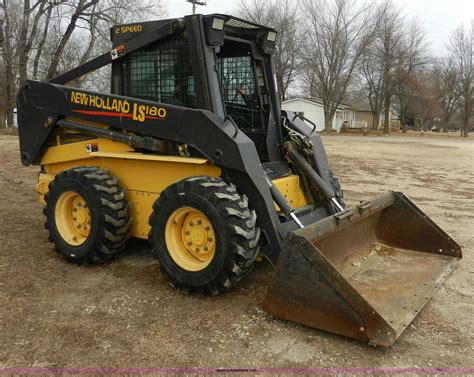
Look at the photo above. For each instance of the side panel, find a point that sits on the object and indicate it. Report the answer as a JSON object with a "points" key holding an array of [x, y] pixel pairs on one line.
{"points": [[143, 176], [81, 150], [290, 188]]}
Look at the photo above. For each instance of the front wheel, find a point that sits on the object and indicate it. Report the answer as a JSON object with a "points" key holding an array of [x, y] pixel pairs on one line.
{"points": [[203, 235]]}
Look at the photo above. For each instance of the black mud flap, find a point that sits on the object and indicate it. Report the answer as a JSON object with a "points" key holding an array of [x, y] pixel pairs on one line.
{"points": [[364, 273]]}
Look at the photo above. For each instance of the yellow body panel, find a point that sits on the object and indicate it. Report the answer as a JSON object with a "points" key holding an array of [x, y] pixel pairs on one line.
{"points": [[42, 186], [150, 157], [141, 204], [143, 176], [78, 150], [290, 187]]}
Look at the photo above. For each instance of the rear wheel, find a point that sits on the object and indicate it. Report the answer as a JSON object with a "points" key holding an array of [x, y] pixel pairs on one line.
{"points": [[203, 235], [86, 215]]}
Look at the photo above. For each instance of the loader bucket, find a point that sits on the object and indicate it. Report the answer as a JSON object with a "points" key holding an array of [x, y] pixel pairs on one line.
{"points": [[364, 273]]}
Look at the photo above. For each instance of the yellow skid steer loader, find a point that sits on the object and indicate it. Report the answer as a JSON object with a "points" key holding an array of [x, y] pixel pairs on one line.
{"points": [[192, 151]]}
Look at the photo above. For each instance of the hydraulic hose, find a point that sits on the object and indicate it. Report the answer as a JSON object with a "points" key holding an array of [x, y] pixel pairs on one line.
{"points": [[326, 191], [132, 140], [281, 201]]}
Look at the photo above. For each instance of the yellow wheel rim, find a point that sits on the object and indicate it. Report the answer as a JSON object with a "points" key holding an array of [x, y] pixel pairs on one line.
{"points": [[72, 217], [190, 239]]}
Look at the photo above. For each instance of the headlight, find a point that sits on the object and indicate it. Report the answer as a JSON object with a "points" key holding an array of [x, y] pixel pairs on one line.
{"points": [[271, 36], [218, 24]]}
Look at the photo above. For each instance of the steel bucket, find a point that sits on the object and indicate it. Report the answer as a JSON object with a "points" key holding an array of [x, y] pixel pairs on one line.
{"points": [[364, 273]]}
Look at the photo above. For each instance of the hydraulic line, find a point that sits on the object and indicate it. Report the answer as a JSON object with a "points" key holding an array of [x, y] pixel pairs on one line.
{"points": [[326, 191]]}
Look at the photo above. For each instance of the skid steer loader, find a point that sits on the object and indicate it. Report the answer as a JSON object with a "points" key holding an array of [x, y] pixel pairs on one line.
{"points": [[192, 151]]}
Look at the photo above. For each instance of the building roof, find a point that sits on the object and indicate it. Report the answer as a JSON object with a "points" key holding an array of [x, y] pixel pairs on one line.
{"points": [[359, 104], [317, 101]]}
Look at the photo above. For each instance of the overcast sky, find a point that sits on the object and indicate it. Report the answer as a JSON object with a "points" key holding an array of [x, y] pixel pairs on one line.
{"points": [[439, 17]]}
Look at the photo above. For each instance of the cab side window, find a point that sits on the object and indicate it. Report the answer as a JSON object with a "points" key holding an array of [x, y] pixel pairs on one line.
{"points": [[160, 73]]}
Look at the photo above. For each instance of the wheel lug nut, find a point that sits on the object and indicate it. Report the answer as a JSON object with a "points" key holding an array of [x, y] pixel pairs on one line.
{"points": [[209, 239], [199, 222], [78, 227], [190, 243], [197, 249], [186, 232], [207, 228], [74, 209], [191, 223], [74, 218], [206, 248]]}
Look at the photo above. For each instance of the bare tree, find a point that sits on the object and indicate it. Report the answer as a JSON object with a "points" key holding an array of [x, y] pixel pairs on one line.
{"points": [[390, 38], [397, 53], [8, 58], [283, 16], [80, 9], [378, 64], [41, 38], [371, 69], [444, 80], [421, 103], [411, 59], [337, 33], [32, 15], [461, 49]]}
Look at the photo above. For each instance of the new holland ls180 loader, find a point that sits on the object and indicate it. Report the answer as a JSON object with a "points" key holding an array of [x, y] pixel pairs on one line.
{"points": [[192, 151]]}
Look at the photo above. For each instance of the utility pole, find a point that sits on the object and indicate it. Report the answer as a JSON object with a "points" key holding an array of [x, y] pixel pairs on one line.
{"points": [[195, 3]]}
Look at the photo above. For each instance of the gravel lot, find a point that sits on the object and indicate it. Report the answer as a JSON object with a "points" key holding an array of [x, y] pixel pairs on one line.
{"points": [[53, 314]]}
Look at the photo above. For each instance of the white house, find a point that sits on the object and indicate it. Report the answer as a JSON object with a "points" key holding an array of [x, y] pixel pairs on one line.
{"points": [[313, 109]]}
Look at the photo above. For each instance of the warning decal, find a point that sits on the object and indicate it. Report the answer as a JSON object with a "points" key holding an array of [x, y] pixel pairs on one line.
{"points": [[117, 52], [92, 148]]}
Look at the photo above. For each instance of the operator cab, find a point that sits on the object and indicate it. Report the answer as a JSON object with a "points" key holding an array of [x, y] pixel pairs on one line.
{"points": [[219, 63]]}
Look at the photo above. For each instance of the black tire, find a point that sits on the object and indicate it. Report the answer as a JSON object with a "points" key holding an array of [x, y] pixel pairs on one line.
{"points": [[336, 185], [233, 224], [108, 214]]}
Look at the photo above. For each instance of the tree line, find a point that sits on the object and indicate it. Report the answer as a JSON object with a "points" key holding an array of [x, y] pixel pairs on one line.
{"points": [[331, 49], [40, 39], [337, 50]]}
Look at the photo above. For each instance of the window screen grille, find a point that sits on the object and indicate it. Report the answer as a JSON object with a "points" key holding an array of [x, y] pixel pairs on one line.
{"points": [[238, 88], [161, 73], [237, 78]]}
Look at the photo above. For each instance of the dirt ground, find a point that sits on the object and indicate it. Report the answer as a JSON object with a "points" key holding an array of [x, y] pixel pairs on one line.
{"points": [[54, 314]]}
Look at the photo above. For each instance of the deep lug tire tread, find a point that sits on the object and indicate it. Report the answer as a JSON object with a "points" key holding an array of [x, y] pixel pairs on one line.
{"points": [[113, 225], [242, 234]]}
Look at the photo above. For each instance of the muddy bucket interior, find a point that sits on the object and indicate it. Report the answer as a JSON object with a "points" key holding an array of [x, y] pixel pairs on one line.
{"points": [[364, 273]]}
